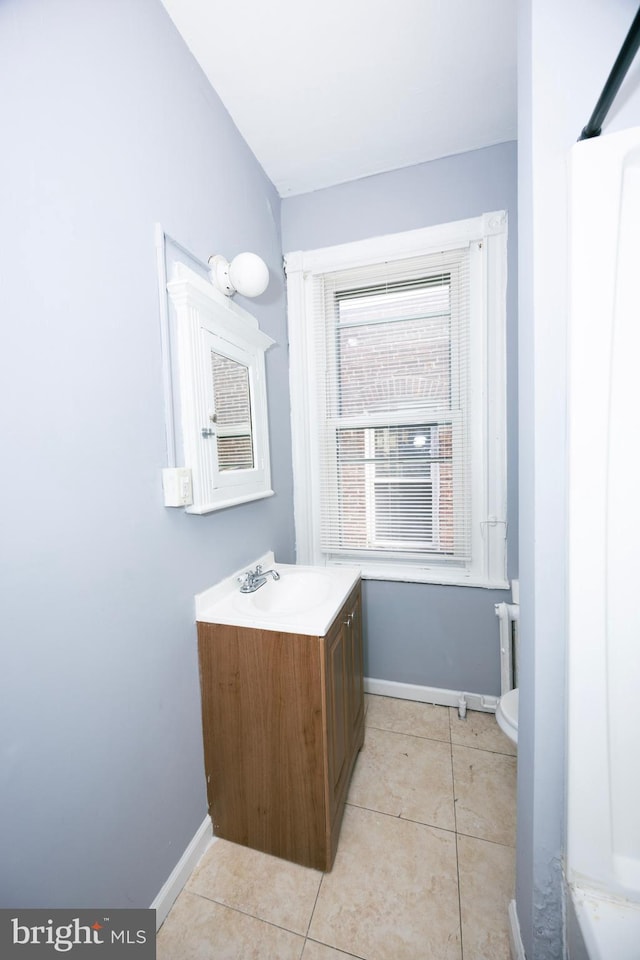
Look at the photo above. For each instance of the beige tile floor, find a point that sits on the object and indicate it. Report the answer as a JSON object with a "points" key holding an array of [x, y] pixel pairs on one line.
{"points": [[425, 863]]}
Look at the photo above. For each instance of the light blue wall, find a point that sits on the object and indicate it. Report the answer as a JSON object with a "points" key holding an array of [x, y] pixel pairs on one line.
{"points": [[415, 633], [565, 54], [108, 126]]}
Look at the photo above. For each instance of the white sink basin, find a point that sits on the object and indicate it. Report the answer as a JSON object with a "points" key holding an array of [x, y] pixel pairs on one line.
{"points": [[305, 600], [291, 594]]}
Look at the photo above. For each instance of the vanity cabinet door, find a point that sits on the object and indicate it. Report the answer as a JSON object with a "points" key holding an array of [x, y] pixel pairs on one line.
{"points": [[263, 736], [355, 709], [345, 702], [338, 721]]}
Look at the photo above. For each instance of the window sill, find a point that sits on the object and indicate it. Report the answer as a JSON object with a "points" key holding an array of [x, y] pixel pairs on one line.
{"points": [[434, 575], [230, 501]]}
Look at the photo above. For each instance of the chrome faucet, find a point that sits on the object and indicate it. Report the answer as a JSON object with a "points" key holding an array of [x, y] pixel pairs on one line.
{"points": [[252, 580]]}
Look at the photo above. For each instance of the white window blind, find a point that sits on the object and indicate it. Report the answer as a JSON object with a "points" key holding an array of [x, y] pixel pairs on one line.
{"points": [[392, 347], [232, 400]]}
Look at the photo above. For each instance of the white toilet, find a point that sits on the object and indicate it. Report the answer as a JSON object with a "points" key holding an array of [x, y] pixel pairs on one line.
{"points": [[507, 714], [507, 709]]}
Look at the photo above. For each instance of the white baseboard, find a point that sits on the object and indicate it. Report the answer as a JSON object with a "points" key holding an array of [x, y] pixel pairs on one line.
{"points": [[182, 871], [515, 940], [437, 695]]}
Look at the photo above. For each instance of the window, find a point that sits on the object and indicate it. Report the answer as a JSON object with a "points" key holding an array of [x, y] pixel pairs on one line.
{"points": [[398, 382]]}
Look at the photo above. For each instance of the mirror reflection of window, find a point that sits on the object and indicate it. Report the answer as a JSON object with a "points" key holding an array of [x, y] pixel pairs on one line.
{"points": [[232, 413]]}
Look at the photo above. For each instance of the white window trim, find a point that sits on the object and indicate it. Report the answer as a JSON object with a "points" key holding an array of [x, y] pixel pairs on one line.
{"points": [[486, 237]]}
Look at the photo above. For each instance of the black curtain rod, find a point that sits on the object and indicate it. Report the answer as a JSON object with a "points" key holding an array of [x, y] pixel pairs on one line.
{"points": [[618, 72]]}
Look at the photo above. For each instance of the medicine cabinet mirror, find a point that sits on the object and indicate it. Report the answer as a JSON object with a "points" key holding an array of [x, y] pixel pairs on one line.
{"points": [[232, 405], [218, 362]]}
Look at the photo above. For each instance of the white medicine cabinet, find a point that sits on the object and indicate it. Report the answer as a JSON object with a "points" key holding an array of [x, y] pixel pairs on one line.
{"points": [[215, 393]]}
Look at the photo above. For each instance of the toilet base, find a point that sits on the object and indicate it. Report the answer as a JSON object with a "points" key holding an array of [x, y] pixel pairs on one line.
{"points": [[507, 714]]}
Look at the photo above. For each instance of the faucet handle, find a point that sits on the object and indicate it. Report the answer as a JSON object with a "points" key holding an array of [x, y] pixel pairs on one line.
{"points": [[258, 569]]}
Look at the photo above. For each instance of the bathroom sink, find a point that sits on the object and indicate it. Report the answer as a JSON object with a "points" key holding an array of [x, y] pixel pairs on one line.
{"points": [[293, 593], [304, 600]]}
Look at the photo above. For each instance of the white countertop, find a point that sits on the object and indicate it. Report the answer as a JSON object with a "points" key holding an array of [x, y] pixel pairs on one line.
{"points": [[322, 590]]}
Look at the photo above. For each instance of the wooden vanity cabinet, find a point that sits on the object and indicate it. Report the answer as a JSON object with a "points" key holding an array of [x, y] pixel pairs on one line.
{"points": [[283, 721]]}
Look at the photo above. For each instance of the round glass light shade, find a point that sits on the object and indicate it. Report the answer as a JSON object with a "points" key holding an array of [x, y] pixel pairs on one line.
{"points": [[249, 274]]}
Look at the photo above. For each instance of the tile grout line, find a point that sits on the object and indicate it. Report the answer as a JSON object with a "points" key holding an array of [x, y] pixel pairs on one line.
{"points": [[452, 743], [431, 826], [253, 916], [323, 943], [494, 753], [313, 909], [398, 816], [455, 821], [405, 733], [496, 843], [451, 711]]}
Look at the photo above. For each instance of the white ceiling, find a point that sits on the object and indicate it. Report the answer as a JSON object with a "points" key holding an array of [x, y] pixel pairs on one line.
{"points": [[326, 91]]}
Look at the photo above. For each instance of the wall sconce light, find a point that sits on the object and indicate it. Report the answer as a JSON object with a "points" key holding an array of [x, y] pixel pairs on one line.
{"points": [[247, 274]]}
